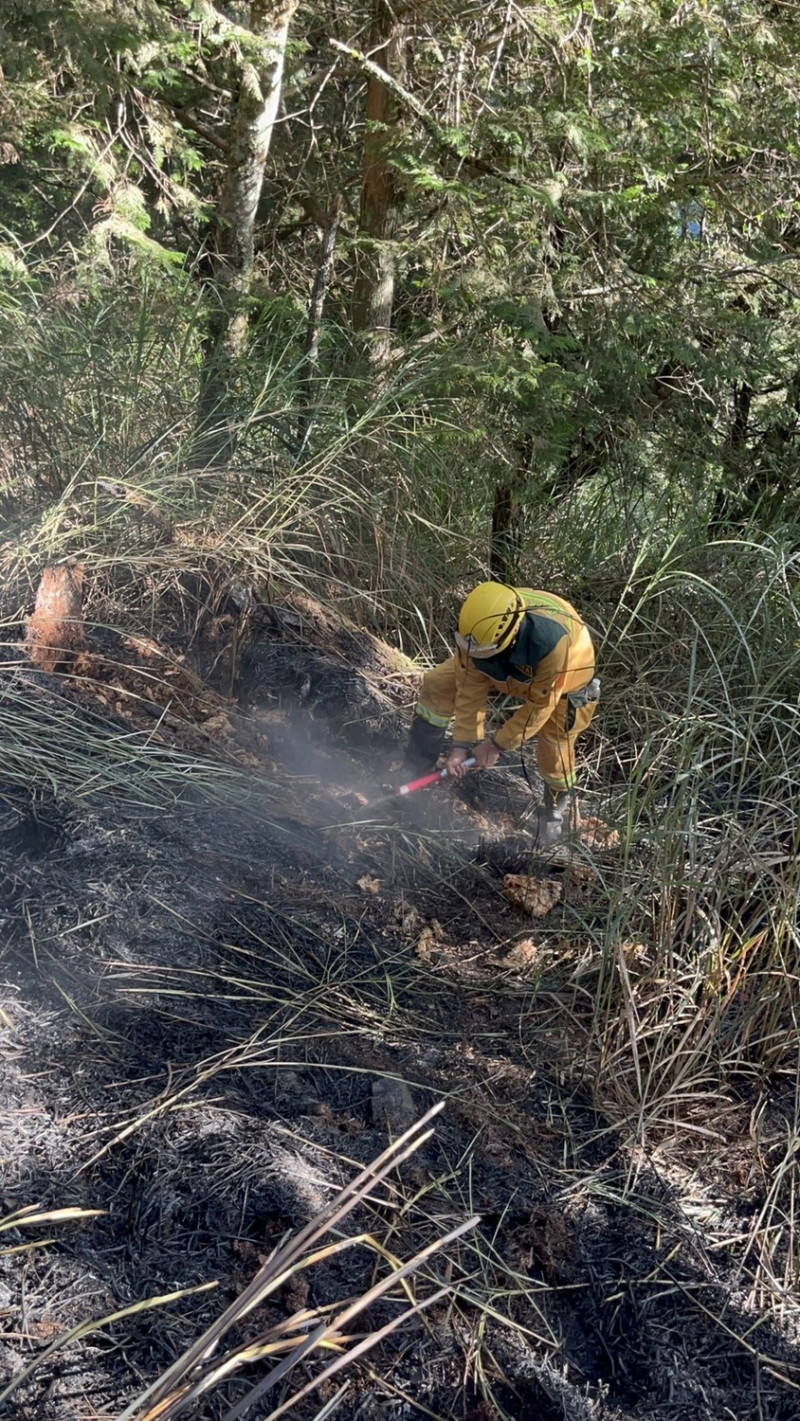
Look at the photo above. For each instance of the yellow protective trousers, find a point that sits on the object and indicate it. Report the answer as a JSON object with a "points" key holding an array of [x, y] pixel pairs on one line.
{"points": [[553, 719]]}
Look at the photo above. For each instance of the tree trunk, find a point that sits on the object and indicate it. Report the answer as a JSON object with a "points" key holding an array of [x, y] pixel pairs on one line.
{"points": [[507, 510], [504, 544], [762, 471], [259, 79], [311, 352], [741, 490], [373, 289]]}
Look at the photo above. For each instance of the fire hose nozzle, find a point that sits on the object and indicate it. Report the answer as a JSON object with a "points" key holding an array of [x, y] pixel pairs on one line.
{"points": [[432, 779]]}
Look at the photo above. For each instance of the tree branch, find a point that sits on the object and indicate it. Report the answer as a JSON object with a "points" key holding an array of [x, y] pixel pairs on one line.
{"points": [[443, 141], [183, 116]]}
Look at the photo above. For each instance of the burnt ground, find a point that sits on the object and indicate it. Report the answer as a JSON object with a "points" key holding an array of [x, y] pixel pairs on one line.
{"points": [[214, 1012]]}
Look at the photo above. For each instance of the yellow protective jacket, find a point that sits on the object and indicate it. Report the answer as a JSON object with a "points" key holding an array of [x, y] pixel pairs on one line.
{"points": [[552, 655]]}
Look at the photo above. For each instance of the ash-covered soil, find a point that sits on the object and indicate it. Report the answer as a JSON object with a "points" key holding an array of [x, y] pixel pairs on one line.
{"points": [[213, 1014]]}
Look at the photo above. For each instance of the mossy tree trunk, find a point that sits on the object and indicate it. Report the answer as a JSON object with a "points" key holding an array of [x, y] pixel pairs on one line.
{"points": [[261, 52]]}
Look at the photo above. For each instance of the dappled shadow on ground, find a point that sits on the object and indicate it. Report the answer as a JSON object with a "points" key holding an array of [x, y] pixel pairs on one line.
{"points": [[200, 1006]]}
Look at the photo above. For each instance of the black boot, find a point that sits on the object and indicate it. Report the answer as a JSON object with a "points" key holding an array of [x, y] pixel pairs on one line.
{"points": [[553, 813], [424, 747]]}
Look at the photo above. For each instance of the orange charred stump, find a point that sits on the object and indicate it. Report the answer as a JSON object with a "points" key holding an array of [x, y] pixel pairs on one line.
{"points": [[55, 630]]}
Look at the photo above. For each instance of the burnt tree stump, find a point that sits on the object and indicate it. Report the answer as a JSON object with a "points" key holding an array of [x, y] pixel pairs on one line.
{"points": [[55, 628]]}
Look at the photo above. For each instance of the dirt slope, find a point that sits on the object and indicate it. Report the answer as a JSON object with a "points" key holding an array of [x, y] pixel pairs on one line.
{"points": [[213, 1013]]}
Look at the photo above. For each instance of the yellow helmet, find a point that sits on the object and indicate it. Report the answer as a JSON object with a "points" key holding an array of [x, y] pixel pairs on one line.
{"points": [[489, 619]]}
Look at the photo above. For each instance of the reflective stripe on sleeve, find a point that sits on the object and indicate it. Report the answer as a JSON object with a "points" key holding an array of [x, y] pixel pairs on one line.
{"points": [[432, 717]]}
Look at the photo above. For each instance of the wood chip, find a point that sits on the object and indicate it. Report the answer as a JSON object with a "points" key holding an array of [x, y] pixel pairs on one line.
{"points": [[426, 945], [523, 955], [597, 835], [217, 725], [534, 895]]}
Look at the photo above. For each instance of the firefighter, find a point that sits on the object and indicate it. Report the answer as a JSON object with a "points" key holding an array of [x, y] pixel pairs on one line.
{"points": [[521, 643]]}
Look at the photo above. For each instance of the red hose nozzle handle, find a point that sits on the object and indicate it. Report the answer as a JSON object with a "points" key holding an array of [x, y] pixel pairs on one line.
{"points": [[432, 779]]}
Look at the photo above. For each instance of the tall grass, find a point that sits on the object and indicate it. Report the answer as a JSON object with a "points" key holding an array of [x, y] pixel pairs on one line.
{"points": [[709, 761], [97, 418]]}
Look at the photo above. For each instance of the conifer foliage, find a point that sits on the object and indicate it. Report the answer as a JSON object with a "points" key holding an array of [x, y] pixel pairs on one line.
{"points": [[591, 209]]}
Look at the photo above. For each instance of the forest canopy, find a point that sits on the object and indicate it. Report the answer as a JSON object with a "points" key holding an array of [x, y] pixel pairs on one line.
{"points": [[563, 236]]}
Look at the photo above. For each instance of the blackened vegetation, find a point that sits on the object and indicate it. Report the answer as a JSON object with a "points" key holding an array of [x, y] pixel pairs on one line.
{"points": [[318, 671], [199, 1005]]}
